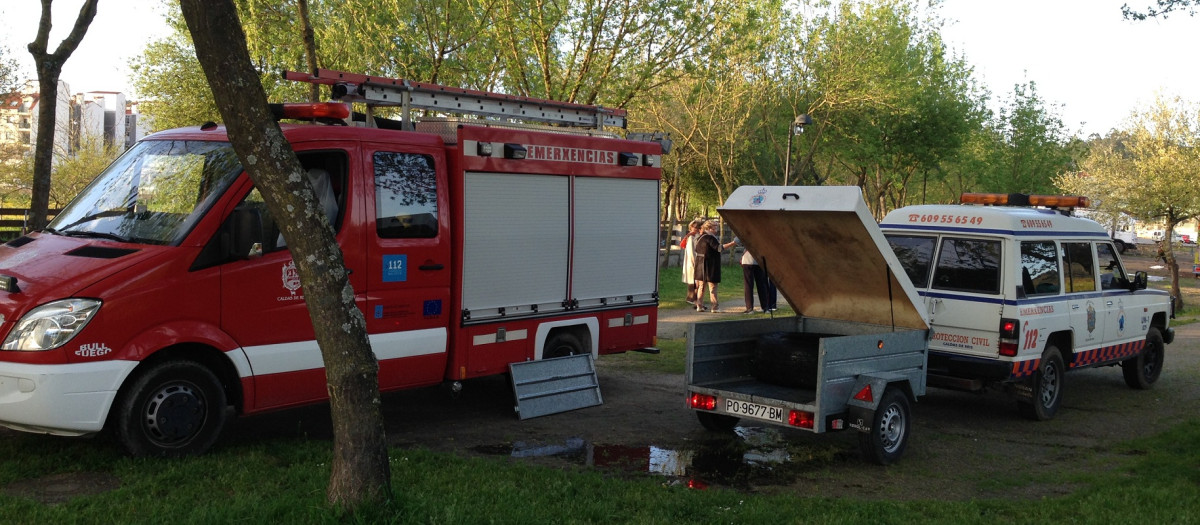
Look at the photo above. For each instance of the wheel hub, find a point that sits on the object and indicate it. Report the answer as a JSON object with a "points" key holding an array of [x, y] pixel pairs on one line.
{"points": [[891, 428], [174, 414]]}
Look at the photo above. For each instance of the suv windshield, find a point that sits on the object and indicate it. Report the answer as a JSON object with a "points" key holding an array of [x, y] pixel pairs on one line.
{"points": [[153, 194]]}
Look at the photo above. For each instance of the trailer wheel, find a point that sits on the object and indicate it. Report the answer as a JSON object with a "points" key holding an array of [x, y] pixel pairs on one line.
{"points": [[173, 408], [890, 428], [1047, 387], [562, 344], [1143, 370], [717, 422]]}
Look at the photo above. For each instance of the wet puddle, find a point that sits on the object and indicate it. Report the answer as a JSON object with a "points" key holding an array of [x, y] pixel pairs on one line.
{"points": [[743, 459]]}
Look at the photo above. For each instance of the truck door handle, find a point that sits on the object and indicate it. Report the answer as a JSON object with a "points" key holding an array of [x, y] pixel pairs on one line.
{"points": [[430, 267], [1074, 307], [1109, 303]]}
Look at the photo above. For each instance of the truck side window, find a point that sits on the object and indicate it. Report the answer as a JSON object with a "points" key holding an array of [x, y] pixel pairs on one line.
{"points": [[915, 254], [968, 265], [405, 196], [1112, 276], [1039, 268], [326, 172], [1081, 269]]}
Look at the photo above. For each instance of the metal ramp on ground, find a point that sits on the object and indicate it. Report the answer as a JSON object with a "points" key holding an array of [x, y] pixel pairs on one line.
{"points": [[550, 386]]}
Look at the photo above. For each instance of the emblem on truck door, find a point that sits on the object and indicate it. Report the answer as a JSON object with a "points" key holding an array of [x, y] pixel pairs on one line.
{"points": [[291, 278]]}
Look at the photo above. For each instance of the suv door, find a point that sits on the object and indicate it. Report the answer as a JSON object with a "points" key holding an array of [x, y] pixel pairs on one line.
{"points": [[1114, 282], [966, 296], [1084, 300]]}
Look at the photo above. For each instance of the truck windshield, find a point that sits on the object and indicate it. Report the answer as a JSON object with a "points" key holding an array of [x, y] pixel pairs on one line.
{"points": [[153, 194]]}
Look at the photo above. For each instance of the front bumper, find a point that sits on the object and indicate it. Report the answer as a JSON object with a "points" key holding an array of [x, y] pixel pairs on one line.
{"points": [[64, 400]]}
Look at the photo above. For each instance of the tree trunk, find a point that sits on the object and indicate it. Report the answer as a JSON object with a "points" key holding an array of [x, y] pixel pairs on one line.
{"points": [[310, 49], [360, 464], [49, 67]]}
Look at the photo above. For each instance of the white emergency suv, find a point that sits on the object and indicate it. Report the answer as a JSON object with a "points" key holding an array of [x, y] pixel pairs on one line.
{"points": [[1018, 292], [164, 294]]}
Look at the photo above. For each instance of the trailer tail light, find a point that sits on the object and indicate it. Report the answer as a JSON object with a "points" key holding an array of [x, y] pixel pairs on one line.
{"points": [[702, 402], [322, 110], [798, 418], [1009, 332]]}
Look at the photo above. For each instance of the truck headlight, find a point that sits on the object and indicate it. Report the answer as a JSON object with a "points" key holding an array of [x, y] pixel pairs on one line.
{"points": [[50, 325]]}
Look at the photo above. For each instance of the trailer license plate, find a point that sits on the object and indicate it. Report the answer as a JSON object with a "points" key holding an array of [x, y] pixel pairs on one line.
{"points": [[754, 410]]}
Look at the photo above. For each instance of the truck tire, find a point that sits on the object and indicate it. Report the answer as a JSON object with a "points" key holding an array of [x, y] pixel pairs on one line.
{"points": [[173, 408], [562, 344], [890, 428], [1142, 371], [787, 359], [717, 422], [1121, 246], [1047, 387]]}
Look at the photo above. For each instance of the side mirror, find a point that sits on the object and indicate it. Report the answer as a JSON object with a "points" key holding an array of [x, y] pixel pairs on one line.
{"points": [[1139, 281], [245, 233]]}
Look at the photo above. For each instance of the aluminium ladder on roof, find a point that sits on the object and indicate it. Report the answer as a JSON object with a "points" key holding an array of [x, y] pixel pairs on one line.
{"points": [[409, 95]]}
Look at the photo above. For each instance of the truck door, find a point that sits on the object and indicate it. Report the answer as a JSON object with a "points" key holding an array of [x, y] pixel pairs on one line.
{"points": [[409, 264], [262, 303]]}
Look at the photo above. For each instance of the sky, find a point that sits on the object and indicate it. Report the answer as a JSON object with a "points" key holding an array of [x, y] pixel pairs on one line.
{"points": [[1092, 67]]}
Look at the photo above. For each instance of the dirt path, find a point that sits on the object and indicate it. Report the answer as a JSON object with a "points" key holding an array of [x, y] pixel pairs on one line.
{"points": [[963, 445]]}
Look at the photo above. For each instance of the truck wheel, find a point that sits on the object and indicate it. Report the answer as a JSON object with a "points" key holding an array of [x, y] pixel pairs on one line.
{"points": [[174, 408], [787, 359], [717, 422], [562, 344], [1143, 370], [888, 438], [1047, 387], [1121, 247]]}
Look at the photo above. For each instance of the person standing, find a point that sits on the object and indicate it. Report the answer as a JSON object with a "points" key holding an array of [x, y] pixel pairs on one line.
{"points": [[708, 265], [688, 262], [755, 279], [748, 281]]}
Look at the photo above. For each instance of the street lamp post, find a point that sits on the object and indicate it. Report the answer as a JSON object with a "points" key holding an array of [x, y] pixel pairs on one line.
{"points": [[796, 129]]}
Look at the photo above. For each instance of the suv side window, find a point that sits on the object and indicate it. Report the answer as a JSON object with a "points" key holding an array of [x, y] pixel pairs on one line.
{"points": [[1112, 276], [915, 255], [405, 196], [1039, 268], [1081, 269], [968, 265]]}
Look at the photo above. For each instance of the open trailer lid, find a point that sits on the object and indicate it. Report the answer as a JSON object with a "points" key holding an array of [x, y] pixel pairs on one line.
{"points": [[825, 253]]}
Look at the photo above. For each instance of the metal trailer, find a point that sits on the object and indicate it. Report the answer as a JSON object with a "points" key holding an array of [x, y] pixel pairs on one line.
{"points": [[855, 357]]}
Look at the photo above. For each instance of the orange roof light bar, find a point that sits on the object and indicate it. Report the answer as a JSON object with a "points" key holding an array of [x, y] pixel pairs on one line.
{"points": [[1021, 199], [303, 111]]}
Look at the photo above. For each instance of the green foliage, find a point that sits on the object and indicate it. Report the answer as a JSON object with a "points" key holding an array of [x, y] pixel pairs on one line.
{"points": [[889, 103], [1032, 147], [896, 112], [69, 176], [1148, 171], [9, 72]]}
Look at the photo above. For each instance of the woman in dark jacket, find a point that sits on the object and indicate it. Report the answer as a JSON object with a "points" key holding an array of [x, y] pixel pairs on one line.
{"points": [[708, 265]]}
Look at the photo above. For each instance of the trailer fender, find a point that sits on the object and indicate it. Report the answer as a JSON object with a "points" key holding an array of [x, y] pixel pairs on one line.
{"points": [[865, 396]]}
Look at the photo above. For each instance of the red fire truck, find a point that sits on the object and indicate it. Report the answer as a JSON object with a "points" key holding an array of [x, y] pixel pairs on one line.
{"points": [[164, 294]]}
